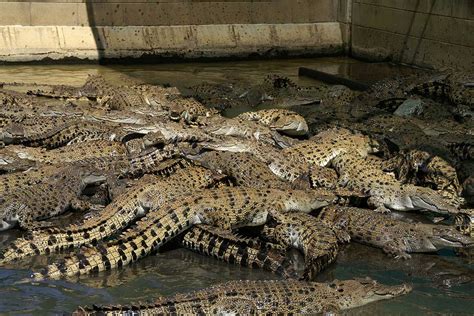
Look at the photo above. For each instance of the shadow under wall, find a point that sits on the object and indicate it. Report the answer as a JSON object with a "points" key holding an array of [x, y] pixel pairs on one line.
{"points": [[99, 37]]}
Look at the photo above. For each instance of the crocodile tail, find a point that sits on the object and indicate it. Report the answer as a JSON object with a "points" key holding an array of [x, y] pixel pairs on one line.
{"points": [[149, 234], [242, 251], [432, 89]]}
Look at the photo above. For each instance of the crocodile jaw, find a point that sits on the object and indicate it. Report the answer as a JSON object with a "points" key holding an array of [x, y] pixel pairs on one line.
{"points": [[365, 291]]}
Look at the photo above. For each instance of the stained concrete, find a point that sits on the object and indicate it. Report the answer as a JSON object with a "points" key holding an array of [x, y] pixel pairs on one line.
{"points": [[30, 43]]}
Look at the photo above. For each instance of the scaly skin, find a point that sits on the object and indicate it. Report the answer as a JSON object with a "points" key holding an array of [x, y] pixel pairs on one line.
{"points": [[150, 192], [395, 237], [240, 129], [227, 207], [421, 168], [457, 87], [317, 242], [262, 297], [51, 197], [386, 193], [16, 155], [464, 222], [53, 131], [323, 147], [247, 252], [281, 120], [243, 168]]}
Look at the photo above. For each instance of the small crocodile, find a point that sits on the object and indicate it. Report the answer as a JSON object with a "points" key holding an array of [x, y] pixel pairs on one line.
{"points": [[228, 247], [16, 157], [226, 207], [244, 168], [386, 193], [52, 132], [282, 120], [262, 297], [397, 238], [51, 197], [317, 242], [150, 192], [320, 149]]}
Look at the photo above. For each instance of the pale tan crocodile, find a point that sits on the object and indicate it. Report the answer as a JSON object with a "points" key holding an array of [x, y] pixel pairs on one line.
{"points": [[244, 168], [317, 241], [262, 297], [17, 155], [226, 207], [150, 192], [386, 192], [52, 196], [282, 120], [395, 237]]}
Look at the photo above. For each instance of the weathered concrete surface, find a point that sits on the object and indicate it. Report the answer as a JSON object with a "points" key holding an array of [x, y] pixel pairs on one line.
{"points": [[164, 12], [428, 33], [34, 43]]}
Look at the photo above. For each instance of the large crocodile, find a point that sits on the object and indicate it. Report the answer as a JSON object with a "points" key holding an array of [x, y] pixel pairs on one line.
{"points": [[226, 207], [263, 297], [150, 192], [395, 237]]}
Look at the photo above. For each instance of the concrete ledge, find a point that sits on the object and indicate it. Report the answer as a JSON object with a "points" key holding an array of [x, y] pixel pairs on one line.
{"points": [[36, 43]]}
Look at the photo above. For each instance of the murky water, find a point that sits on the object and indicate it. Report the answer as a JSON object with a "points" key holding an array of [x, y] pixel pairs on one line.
{"points": [[442, 283]]}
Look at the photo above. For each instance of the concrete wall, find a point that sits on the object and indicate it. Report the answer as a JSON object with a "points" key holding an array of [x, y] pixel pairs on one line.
{"points": [[430, 33], [56, 29]]}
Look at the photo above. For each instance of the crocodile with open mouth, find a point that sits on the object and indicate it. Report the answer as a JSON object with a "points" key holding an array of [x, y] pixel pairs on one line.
{"points": [[262, 297]]}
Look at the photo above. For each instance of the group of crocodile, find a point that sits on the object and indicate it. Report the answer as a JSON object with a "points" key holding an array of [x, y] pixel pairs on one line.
{"points": [[245, 190]]}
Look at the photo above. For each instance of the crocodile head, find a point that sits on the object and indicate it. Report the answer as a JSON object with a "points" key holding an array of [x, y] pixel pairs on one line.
{"points": [[412, 198], [359, 292], [307, 201], [288, 122], [12, 133], [448, 236], [427, 199]]}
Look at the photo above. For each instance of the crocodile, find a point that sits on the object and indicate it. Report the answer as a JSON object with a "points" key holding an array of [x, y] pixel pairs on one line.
{"points": [[421, 168], [149, 192], [217, 125], [225, 207], [317, 241], [397, 238], [231, 248], [457, 87], [243, 168], [53, 196], [52, 132], [282, 120], [17, 157], [386, 192], [262, 297], [320, 149]]}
